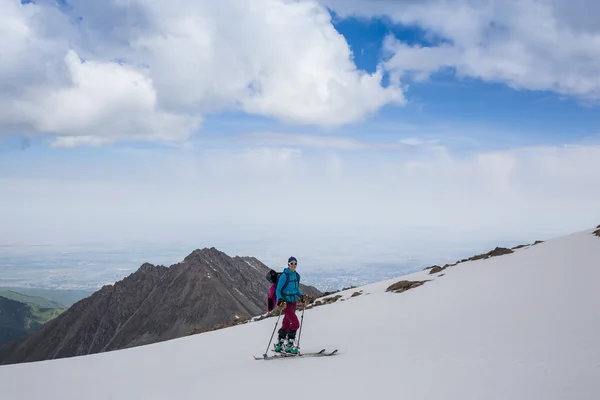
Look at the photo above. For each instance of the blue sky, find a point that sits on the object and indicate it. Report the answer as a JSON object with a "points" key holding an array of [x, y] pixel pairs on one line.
{"points": [[526, 117], [474, 133]]}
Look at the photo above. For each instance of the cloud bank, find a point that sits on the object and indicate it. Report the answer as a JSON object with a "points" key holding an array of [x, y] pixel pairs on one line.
{"points": [[303, 193]]}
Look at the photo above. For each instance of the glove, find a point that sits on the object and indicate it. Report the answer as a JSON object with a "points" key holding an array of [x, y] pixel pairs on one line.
{"points": [[304, 298]]}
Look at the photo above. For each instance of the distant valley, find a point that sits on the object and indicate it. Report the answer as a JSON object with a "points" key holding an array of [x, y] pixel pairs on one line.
{"points": [[24, 311]]}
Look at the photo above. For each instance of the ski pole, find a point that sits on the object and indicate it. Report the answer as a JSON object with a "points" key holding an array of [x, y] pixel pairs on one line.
{"points": [[276, 323], [300, 331]]}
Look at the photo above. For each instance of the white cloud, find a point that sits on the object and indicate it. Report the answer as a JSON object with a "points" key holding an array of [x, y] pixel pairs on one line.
{"points": [[106, 102], [152, 70], [75, 141], [527, 44], [328, 141]]}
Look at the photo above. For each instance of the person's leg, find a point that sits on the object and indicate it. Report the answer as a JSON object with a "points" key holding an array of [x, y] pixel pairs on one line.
{"points": [[293, 326], [283, 331], [293, 318], [287, 321]]}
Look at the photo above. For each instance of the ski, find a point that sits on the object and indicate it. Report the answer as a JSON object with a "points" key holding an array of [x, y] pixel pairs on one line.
{"points": [[321, 353]]}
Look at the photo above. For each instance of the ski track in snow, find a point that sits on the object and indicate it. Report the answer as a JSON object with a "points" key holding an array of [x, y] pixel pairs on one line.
{"points": [[519, 326]]}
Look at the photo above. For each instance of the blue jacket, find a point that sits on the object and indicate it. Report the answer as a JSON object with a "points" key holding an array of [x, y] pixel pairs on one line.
{"points": [[288, 286]]}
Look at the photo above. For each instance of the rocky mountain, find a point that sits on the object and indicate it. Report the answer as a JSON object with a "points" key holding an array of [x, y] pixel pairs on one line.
{"points": [[153, 304]]}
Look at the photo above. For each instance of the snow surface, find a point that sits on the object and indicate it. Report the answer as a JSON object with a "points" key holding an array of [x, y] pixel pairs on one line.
{"points": [[519, 326]]}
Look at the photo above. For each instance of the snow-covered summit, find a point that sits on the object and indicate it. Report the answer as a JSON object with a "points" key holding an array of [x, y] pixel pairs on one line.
{"points": [[518, 326]]}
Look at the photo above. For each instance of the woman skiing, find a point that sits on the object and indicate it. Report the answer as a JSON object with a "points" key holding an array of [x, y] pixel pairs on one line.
{"points": [[288, 293]]}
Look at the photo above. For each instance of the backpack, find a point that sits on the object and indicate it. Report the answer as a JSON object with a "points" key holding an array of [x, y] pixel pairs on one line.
{"points": [[273, 276]]}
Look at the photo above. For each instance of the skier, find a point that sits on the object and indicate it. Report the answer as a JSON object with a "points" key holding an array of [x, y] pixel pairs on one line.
{"points": [[288, 293]]}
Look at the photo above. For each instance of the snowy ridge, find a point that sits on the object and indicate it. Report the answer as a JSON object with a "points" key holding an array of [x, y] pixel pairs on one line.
{"points": [[518, 326]]}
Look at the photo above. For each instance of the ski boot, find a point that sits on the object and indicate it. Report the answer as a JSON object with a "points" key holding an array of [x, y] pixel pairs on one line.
{"points": [[279, 346], [289, 348], [280, 341]]}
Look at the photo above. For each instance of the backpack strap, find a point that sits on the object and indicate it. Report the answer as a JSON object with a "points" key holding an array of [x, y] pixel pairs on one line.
{"points": [[285, 284]]}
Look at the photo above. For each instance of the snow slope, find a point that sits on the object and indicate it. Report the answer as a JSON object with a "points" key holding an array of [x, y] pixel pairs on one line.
{"points": [[520, 326]]}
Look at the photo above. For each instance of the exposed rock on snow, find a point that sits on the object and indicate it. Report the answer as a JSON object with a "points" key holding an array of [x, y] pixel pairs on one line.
{"points": [[436, 268], [327, 300], [403, 286], [520, 246], [498, 251]]}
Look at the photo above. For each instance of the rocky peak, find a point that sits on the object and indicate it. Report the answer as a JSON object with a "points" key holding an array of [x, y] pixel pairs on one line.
{"points": [[205, 253], [148, 268]]}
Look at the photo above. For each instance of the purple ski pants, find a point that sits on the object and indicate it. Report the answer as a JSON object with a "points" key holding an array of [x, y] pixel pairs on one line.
{"points": [[290, 320]]}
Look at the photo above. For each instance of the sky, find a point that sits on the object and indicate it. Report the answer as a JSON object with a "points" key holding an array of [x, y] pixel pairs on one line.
{"points": [[318, 128]]}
